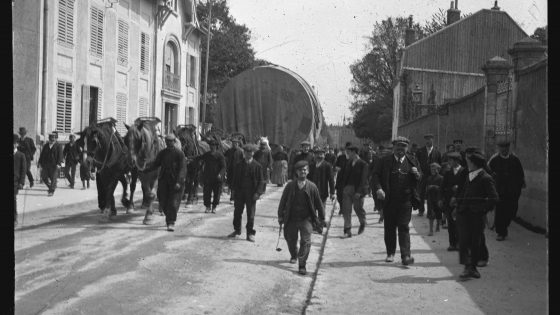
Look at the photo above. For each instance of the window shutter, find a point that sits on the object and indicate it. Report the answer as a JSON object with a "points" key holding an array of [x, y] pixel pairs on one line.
{"points": [[143, 110], [99, 104], [96, 44], [66, 22], [122, 44], [64, 107], [85, 106], [144, 53], [121, 112]]}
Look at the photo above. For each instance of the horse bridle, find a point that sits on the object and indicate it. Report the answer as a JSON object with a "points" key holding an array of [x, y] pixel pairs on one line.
{"points": [[98, 144]]}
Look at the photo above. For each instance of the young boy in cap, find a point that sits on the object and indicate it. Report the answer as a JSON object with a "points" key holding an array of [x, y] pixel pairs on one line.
{"points": [[20, 168], [248, 185], [299, 202], [432, 193]]}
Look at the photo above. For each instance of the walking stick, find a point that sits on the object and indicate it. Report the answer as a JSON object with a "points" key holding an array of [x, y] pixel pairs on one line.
{"points": [[278, 249]]}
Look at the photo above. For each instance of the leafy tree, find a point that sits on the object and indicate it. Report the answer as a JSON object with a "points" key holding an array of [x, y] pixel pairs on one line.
{"points": [[541, 33], [437, 22]]}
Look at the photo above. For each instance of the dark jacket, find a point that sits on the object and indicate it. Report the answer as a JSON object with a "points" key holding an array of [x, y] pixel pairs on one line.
{"points": [[214, 164], [27, 147], [425, 160], [232, 156], [51, 158], [451, 180], [323, 178], [280, 156], [264, 157], [313, 198], [508, 175], [433, 187], [478, 195], [20, 169], [382, 173], [340, 164], [71, 154], [172, 164], [331, 158], [255, 173], [356, 176]]}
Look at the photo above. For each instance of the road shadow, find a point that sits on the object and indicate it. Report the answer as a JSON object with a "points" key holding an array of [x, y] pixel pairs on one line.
{"points": [[377, 263], [283, 265], [416, 280]]}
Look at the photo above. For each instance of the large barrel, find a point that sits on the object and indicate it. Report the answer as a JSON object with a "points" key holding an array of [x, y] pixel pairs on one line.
{"points": [[271, 101]]}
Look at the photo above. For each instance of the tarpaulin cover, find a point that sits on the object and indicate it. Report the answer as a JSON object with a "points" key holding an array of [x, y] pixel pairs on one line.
{"points": [[270, 101]]}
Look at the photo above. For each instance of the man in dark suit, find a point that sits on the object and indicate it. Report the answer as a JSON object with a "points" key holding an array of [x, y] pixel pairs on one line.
{"points": [[303, 155], [453, 182], [478, 197], [26, 145], [50, 162], [395, 180], [426, 155], [356, 186], [20, 168], [249, 185], [213, 174], [321, 174], [71, 158], [233, 156], [508, 173]]}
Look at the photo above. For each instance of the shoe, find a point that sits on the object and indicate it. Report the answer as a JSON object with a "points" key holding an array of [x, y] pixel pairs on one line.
{"points": [[30, 184], [234, 234], [362, 228], [390, 258], [214, 209], [302, 270], [500, 238], [347, 233], [407, 260], [208, 209], [431, 233], [88, 185], [50, 194], [437, 228], [171, 227], [251, 238], [466, 273], [482, 263], [452, 248], [293, 260], [474, 273]]}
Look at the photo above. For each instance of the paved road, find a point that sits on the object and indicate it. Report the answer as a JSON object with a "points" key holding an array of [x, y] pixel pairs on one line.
{"points": [[66, 262]]}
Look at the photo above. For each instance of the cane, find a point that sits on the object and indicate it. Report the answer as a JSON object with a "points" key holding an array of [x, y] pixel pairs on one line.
{"points": [[278, 249]]}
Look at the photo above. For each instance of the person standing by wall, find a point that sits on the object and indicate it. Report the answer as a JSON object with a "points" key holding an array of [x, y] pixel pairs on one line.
{"points": [[20, 168], [355, 183], [71, 158], [426, 155], [26, 145], [50, 162], [508, 173]]}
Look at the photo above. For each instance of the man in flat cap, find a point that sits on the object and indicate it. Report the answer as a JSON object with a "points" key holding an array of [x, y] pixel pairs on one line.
{"points": [[233, 156], [356, 186], [508, 173], [50, 162], [213, 175], [426, 155], [303, 155], [321, 174], [248, 185], [26, 145], [299, 202], [395, 180], [20, 168], [171, 179], [478, 197], [448, 149]]}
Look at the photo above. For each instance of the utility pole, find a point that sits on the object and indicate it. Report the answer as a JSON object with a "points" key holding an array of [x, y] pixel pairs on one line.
{"points": [[207, 57]]}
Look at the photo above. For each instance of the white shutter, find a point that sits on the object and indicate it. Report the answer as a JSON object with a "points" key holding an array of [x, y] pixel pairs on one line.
{"points": [[121, 112], [122, 44], [143, 107], [66, 22], [99, 104], [96, 43], [64, 106], [144, 53]]}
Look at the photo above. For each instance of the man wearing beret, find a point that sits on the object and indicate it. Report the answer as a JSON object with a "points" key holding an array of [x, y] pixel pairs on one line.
{"points": [[395, 180], [478, 197], [26, 145], [356, 186], [321, 174], [20, 169], [213, 174], [171, 179], [508, 173], [426, 155], [304, 155], [50, 162], [249, 185], [299, 202]]}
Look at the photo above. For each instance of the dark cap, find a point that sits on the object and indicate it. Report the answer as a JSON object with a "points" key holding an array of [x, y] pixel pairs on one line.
{"points": [[249, 147], [428, 136], [353, 148], [53, 134], [318, 150], [458, 141], [212, 142], [449, 145], [347, 144], [455, 155], [305, 143], [401, 139], [477, 159], [170, 137], [435, 164], [301, 164], [22, 129], [472, 150], [504, 144]]}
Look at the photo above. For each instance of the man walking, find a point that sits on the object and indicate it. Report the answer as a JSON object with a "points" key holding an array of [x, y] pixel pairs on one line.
{"points": [[355, 183], [304, 155], [298, 204], [452, 184], [321, 174], [171, 179], [213, 173], [71, 158], [249, 185], [19, 174], [50, 162], [508, 173], [233, 156], [26, 145], [264, 157], [395, 179], [339, 174], [426, 155]]}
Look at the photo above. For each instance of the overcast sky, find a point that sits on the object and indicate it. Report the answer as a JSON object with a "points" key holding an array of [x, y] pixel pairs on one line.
{"points": [[320, 39]]}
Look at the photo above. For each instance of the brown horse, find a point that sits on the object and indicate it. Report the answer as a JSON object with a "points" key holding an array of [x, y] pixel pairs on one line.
{"points": [[192, 148]]}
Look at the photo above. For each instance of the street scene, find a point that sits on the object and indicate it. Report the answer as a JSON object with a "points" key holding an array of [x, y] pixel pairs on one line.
{"points": [[297, 157]]}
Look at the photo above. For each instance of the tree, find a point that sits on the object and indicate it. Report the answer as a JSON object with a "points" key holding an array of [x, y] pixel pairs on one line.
{"points": [[541, 33], [437, 22], [230, 50]]}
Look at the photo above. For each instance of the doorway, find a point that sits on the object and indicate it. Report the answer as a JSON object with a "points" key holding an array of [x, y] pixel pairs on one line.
{"points": [[170, 117]]}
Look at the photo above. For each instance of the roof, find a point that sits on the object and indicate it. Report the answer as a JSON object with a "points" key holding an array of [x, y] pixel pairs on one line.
{"points": [[465, 45]]}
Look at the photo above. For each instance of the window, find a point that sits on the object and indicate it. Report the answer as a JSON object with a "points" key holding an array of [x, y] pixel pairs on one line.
{"points": [[144, 53], [64, 106], [143, 107], [96, 28], [66, 22], [170, 58], [192, 72], [122, 44], [121, 112]]}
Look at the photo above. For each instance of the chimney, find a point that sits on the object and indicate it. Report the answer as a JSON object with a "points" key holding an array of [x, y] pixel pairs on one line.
{"points": [[453, 14], [496, 7], [410, 34]]}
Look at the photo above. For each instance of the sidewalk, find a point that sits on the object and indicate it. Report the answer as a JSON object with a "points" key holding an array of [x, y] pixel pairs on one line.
{"points": [[355, 279]]}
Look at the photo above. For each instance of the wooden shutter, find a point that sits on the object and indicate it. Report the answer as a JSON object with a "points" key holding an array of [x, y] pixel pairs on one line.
{"points": [[85, 106], [193, 72], [121, 112], [143, 107], [99, 103], [144, 53], [64, 106], [122, 44], [96, 27], [66, 22]]}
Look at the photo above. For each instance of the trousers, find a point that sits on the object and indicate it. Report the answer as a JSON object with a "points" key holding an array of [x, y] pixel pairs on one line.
{"points": [[28, 172], [472, 245], [244, 199], [291, 229], [70, 173], [209, 189], [396, 218], [350, 201], [451, 228], [506, 211], [50, 177], [169, 199]]}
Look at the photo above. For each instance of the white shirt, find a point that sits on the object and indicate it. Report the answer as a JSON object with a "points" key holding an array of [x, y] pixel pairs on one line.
{"points": [[429, 149], [15, 150], [319, 163], [473, 174], [504, 156], [51, 145], [301, 184], [456, 170], [399, 160]]}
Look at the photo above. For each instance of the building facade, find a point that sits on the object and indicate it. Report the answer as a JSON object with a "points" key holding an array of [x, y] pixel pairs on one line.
{"points": [[79, 61]]}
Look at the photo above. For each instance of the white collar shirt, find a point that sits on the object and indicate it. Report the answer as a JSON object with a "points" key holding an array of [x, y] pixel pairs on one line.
{"points": [[399, 160], [473, 174], [429, 149], [456, 169]]}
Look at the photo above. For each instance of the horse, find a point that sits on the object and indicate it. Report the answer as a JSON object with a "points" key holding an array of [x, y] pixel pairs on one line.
{"points": [[109, 154], [192, 148]]}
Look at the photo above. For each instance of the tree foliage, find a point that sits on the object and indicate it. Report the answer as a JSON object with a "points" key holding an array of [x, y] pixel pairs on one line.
{"points": [[541, 33]]}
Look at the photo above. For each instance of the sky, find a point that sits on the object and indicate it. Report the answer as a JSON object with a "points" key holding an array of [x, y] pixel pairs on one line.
{"points": [[320, 39]]}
